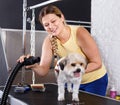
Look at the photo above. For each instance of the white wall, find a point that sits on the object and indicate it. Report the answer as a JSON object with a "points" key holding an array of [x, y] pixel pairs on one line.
{"points": [[105, 19]]}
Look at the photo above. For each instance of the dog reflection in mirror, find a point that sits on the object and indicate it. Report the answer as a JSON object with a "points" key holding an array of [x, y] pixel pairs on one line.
{"points": [[69, 70]]}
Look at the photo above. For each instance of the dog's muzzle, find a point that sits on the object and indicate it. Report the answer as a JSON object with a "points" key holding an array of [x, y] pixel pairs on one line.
{"points": [[77, 72]]}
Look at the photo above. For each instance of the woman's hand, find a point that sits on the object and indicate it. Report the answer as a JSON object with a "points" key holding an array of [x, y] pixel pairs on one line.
{"points": [[22, 58]]}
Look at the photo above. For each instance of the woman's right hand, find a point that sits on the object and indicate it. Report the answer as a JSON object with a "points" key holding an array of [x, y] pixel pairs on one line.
{"points": [[21, 58]]}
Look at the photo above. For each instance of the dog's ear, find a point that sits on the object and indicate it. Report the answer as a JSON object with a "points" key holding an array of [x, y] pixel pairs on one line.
{"points": [[62, 64]]}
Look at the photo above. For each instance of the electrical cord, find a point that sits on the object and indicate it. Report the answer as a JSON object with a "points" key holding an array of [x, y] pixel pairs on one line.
{"points": [[28, 61]]}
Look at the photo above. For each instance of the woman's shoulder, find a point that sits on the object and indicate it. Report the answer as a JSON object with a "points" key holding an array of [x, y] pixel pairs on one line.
{"points": [[47, 39]]}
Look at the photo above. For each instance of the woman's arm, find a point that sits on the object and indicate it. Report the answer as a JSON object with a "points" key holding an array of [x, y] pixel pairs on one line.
{"points": [[46, 57], [90, 49]]}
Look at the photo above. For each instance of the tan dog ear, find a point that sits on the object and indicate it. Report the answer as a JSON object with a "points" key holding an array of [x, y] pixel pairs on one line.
{"points": [[62, 64]]}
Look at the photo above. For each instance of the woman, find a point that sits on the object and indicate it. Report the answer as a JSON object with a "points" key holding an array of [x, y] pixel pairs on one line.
{"points": [[67, 39]]}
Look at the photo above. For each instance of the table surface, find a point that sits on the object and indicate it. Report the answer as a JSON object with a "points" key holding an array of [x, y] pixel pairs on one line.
{"points": [[49, 97]]}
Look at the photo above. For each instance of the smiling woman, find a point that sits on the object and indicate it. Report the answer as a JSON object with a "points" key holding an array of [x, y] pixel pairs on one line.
{"points": [[70, 39]]}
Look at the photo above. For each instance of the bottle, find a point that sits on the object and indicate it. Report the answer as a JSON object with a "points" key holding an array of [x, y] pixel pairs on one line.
{"points": [[113, 92]]}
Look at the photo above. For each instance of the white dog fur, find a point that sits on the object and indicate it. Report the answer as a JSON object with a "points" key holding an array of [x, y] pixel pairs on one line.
{"points": [[69, 70]]}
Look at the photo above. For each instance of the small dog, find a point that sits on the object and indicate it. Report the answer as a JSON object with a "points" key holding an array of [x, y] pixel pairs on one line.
{"points": [[69, 70]]}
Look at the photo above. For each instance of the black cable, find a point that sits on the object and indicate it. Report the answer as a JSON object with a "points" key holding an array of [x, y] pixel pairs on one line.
{"points": [[27, 61]]}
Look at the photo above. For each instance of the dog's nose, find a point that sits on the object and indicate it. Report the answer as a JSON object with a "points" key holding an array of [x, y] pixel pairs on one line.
{"points": [[78, 70]]}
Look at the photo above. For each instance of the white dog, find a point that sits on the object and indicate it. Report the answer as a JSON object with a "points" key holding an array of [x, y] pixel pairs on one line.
{"points": [[69, 70]]}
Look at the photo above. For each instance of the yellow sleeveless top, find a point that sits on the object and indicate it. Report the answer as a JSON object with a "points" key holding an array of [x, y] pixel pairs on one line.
{"points": [[71, 46]]}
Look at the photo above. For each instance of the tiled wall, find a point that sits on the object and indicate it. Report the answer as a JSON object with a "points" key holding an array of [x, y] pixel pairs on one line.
{"points": [[105, 21]]}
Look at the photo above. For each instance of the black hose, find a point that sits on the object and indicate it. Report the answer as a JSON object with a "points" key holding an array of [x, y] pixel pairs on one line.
{"points": [[27, 61]]}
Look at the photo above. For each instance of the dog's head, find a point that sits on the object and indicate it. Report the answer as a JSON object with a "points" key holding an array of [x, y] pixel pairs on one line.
{"points": [[72, 65]]}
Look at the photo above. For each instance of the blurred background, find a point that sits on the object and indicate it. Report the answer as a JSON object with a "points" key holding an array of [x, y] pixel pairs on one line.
{"points": [[11, 12]]}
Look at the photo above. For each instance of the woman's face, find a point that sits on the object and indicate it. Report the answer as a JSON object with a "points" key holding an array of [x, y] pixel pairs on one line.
{"points": [[53, 24]]}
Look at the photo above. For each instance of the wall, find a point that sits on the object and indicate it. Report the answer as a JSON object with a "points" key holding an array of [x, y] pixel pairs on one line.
{"points": [[14, 44], [11, 12], [12, 41], [3, 63], [105, 15]]}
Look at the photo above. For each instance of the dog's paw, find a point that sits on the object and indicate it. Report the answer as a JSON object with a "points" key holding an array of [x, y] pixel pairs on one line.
{"points": [[75, 97], [70, 90], [61, 98]]}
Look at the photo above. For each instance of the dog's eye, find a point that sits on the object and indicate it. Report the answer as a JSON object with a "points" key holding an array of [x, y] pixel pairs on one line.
{"points": [[73, 64], [81, 64]]}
